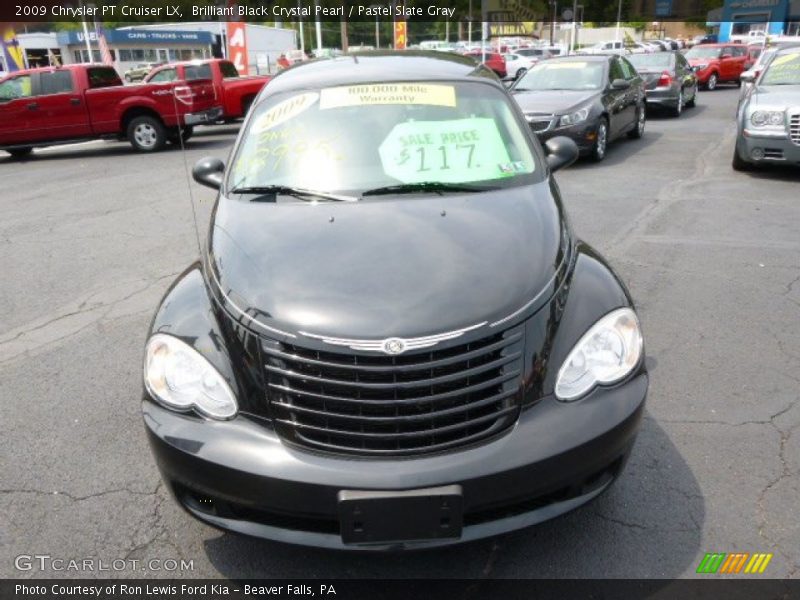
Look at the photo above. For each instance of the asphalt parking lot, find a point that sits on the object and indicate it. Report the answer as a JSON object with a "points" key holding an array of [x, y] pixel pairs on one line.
{"points": [[92, 235]]}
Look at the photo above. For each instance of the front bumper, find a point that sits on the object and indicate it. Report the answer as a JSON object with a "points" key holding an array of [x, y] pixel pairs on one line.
{"points": [[238, 475], [764, 147], [583, 134], [205, 117]]}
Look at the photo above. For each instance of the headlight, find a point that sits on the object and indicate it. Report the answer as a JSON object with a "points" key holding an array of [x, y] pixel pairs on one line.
{"points": [[574, 118], [180, 378], [767, 118], [605, 354]]}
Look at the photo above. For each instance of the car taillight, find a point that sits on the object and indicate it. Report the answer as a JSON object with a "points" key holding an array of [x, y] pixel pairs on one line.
{"points": [[184, 93], [665, 79]]}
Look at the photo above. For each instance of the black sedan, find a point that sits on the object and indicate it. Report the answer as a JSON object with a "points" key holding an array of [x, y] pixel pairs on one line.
{"points": [[670, 81], [393, 338], [591, 99]]}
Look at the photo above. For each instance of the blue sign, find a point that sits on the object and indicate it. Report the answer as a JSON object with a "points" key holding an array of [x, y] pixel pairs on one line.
{"points": [[140, 36], [663, 8]]}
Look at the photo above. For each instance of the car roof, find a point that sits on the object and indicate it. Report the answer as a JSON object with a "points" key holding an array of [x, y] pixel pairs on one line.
{"points": [[380, 66], [71, 67], [584, 58]]}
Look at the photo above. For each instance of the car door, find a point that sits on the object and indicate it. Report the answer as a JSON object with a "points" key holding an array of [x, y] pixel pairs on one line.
{"points": [[635, 93], [15, 95], [58, 111], [740, 61], [616, 99], [727, 65]]}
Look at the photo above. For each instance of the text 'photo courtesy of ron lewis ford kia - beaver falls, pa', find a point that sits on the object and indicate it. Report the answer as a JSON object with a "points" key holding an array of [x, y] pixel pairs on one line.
{"points": [[393, 339]]}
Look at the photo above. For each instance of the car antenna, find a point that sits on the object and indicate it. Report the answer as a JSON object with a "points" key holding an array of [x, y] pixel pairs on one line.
{"points": [[188, 177]]}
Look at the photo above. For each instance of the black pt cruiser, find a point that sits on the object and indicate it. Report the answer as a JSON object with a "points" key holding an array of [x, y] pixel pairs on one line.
{"points": [[393, 339]]}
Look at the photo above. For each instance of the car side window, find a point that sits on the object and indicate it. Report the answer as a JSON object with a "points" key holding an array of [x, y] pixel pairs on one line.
{"points": [[739, 52], [615, 71], [17, 87], [681, 61], [56, 82], [197, 72], [228, 70], [164, 76], [101, 77], [627, 69]]}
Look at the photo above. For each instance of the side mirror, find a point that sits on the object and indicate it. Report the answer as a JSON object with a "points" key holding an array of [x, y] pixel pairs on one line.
{"points": [[620, 84], [561, 152], [747, 77], [208, 172]]}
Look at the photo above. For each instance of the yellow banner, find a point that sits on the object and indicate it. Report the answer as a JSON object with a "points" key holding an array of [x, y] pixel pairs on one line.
{"points": [[388, 93]]}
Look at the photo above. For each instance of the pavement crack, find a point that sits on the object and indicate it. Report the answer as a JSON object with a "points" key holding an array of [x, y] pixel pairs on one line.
{"points": [[626, 524], [73, 497], [491, 560]]}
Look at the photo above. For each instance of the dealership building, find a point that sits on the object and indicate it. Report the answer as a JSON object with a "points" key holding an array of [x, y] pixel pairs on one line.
{"points": [[739, 17], [156, 44]]}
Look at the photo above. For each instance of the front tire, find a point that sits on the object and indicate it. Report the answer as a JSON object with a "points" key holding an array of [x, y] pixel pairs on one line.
{"points": [[146, 134], [601, 142], [740, 164], [641, 120], [678, 110], [712, 82], [180, 133]]}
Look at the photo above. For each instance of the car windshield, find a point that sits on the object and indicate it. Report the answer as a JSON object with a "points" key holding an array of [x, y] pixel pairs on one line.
{"points": [[563, 75], [661, 60], [784, 70], [701, 52], [354, 138]]}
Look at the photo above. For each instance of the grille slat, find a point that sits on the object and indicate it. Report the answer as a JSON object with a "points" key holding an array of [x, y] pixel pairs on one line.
{"points": [[794, 129], [497, 427], [379, 405], [394, 385], [429, 364], [408, 401], [399, 418], [403, 434]]}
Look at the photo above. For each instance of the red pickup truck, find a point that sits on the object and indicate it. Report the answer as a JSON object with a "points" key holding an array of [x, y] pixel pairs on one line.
{"points": [[57, 105], [236, 93]]}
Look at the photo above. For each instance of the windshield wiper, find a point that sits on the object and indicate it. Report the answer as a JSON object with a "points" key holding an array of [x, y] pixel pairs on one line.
{"points": [[264, 190], [425, 186]]}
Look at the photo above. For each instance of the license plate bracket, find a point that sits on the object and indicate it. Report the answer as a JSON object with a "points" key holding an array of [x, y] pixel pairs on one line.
{"points": [[368, 517]]}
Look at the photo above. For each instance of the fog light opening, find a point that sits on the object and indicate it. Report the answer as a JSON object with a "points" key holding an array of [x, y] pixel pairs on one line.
{"points": [[757, 153], [200, 502]]}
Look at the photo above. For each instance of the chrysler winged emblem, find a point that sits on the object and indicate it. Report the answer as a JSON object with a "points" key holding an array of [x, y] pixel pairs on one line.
{"points": [[393, 345]]}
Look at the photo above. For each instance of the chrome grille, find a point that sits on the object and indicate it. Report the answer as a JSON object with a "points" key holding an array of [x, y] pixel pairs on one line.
{"points": [[794, 128], [378, 405]]}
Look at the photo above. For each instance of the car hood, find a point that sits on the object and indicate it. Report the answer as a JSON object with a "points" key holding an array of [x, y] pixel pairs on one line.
{"points": [[553, 101], [382, 267], [777, 96]]}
